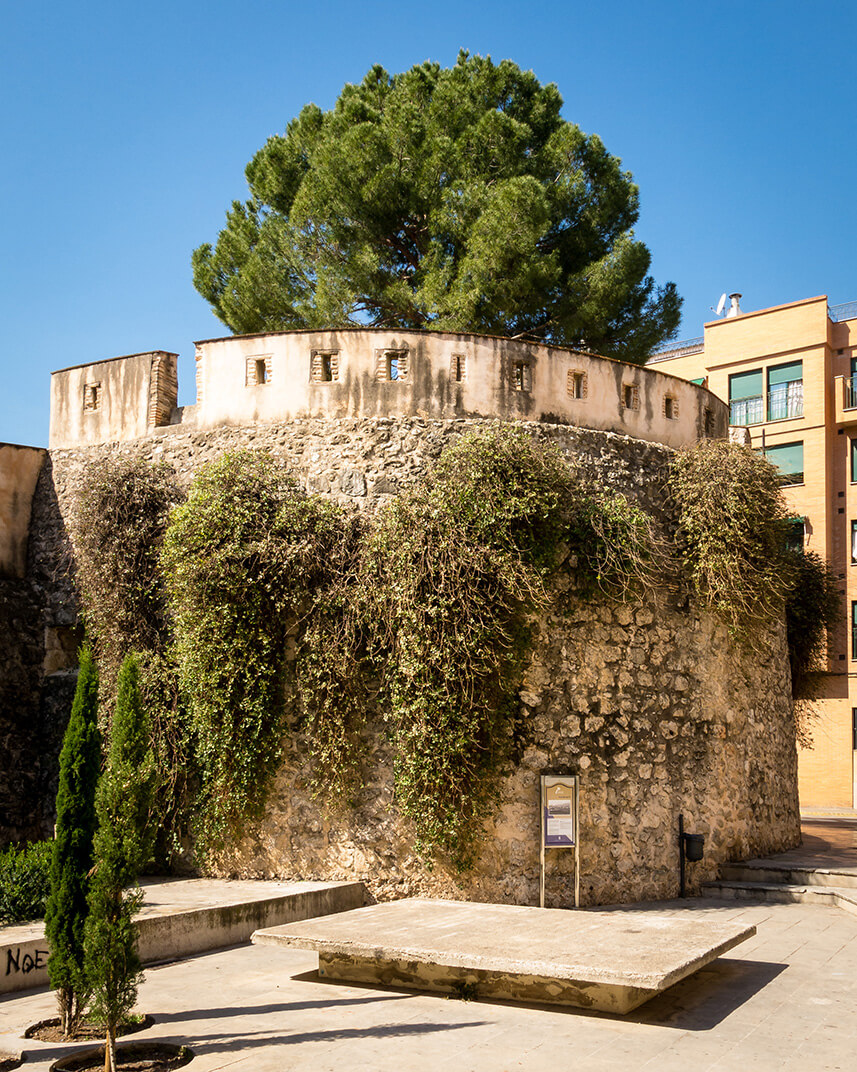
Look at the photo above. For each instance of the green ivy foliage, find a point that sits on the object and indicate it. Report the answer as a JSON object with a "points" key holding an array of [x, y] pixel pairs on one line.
{"points": [[732, 533], [117, 528], [458, 566], [241, 560], [278, 612]]}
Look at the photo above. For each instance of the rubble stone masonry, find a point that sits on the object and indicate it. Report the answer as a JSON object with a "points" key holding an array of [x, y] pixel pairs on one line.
{"points": [[650, 702]]}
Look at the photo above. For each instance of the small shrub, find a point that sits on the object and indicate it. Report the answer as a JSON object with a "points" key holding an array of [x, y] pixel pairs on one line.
{"points": [[25, 881]]}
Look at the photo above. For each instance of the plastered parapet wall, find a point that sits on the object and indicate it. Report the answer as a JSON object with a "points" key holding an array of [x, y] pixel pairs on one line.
{"points": [[649, 702], [258, 379], [19, 471]]}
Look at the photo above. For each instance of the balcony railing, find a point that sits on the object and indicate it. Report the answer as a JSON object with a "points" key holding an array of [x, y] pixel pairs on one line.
{"points": [[785, 400], [782, 404], [747, 411], [848, 311], [849, 395]]}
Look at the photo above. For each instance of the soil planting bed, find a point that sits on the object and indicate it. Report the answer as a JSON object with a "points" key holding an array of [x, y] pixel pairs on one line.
{"points": [[130, 1057], [49, 1031]]}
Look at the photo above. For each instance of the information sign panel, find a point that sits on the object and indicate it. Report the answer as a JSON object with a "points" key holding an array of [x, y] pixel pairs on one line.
{"points": [[559, 811]]}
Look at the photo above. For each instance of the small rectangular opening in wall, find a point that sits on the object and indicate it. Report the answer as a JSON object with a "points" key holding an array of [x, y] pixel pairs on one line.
{"points": [[630, 396], [670, 408], [458, 368], [575, 383], [521, 376], [324, 366], [708, 423], [391, 365], [258, 371], [91, 397]]}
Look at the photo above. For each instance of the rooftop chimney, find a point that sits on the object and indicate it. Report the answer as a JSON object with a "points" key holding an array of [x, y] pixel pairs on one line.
{"points": [[734, 308]]}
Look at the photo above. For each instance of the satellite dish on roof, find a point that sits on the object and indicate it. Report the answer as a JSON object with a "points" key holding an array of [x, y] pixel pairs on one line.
{"points": [[721, 305]]}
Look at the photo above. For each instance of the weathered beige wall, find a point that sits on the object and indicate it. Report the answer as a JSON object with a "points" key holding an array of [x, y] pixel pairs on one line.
{"points": [[19, 471], [429, 389], [131, 399], [666, 409], [650, 703]]}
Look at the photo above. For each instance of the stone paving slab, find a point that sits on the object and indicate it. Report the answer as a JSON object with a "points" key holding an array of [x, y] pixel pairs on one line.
{"points": [[183, 916], [601, 960], [784, 1001]]}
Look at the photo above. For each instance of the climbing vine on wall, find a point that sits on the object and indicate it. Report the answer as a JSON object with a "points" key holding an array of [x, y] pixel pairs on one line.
{"points": [[458, 566], [242, 559], [262, 610]]}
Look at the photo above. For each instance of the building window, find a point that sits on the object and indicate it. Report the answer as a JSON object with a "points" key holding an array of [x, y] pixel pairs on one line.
{"points": [[854, 460], [854, 729], [670, 408], [324, 366], [854, 630], [575, 383], [630, 396], [258, 371], [745, 398], [391, 365], [91, 397], [785, 391], [521, 376], [794, 539], [854, 542], [788, 458], [458, 368]]}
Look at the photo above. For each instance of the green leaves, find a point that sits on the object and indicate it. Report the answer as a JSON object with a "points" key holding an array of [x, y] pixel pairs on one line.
{"points": [[454, 198], [243, 559]]}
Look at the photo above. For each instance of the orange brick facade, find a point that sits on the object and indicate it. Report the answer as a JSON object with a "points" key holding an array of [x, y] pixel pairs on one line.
{"points": [[789, 377]]}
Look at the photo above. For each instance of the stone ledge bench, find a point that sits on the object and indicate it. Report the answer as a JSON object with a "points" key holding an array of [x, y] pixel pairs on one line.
{"points": [[608, 961], [186, 916]]}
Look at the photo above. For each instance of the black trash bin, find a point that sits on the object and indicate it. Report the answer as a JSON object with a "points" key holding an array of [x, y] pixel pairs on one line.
{"points": [[693, 845]]}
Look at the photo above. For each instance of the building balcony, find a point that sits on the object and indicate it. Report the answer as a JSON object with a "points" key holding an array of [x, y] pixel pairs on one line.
{"points": [[783, 403], [845, 396]]}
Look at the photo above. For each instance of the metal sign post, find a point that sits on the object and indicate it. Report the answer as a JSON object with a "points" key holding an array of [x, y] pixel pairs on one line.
{"points": [[559, 824]]}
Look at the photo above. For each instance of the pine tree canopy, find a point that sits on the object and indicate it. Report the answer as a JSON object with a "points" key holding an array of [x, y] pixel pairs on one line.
{"points": [[451, 198]]}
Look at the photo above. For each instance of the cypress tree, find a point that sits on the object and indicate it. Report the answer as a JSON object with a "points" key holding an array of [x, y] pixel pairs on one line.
{"points": [[66, 910], [123, 843]]}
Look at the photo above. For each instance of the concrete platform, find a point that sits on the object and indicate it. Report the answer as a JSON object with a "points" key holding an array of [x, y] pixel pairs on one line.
{"points": [[185, 916], [602, 960]]}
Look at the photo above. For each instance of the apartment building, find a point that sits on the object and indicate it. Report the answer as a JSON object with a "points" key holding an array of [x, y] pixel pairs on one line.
{"points": [[789, 375]]}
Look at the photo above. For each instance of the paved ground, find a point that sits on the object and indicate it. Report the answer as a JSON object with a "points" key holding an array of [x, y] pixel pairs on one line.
{"points": [[786, 999]]}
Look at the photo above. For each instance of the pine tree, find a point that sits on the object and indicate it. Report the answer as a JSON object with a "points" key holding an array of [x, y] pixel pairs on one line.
{"points": [[66, 910], [123, 844]]}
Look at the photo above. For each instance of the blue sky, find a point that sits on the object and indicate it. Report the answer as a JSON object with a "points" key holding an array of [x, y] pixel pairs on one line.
{"points": [[126, 129]]}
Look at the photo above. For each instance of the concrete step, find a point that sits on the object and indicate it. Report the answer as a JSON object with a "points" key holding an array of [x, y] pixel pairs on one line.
{"points": [[187, 916], [789, 874], [784, 893]]}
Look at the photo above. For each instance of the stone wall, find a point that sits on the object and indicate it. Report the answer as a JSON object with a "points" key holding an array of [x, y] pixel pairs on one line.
{"points": [[650, 703]]}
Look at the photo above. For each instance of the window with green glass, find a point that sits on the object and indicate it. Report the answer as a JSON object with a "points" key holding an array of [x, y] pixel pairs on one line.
{"points": [[854, 461], [788, 458], [785, 391], [854, 630], [745, 398]]}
